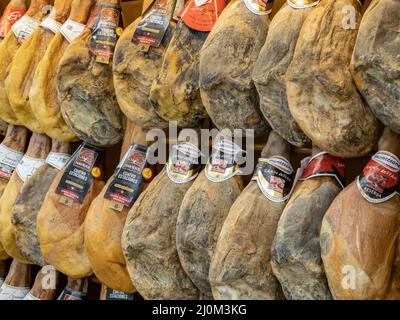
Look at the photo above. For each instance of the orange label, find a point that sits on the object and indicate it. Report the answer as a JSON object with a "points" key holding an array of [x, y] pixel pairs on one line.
{"points": [[10, 16], [202, 17]]}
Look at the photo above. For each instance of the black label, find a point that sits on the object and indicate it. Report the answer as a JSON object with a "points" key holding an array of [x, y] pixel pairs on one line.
{"points": [[85, 165], [106, 28], [151, 29], [129, 177], [112, 294], [71, 294], [275, 177]]}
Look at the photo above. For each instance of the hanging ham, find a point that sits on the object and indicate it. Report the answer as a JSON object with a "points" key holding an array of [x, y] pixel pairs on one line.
{"points": [[43, 92], [30, 199], [148, 237], [84, 79], [227, 59], [269, 73], [135, 68], [107, 213], [175, 93], [296, 255], [9, 46], [375, 63], [60, 221], [203, 211], [322, 96], [25, 62], [34, 158], [360, 230], [240, 267]]}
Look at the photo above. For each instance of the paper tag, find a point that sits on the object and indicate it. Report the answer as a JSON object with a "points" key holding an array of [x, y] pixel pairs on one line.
{"points": [[201, 15], [51, 24], [379, 180], [57, 160], [223, 163], [112, 294], [324, 164], [24, 27], [84, 165], [275, 177], [184, 163], [10, 16], [27, 167], [106, 29], [259, 7], [30, 296], [8, 292], [9, 160], [71, 30], [71, 294], [302, 4], [127, 182]]}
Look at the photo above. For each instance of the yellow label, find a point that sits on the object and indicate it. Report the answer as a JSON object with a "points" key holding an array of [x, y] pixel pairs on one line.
{"points": [[119, 31], [72, 183], [116, 206], [103, 60], [147, 173], [144, 47], [96, 172], [66, 201]]}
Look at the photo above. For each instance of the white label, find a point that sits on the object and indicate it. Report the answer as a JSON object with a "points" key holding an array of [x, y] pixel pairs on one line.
{"points": [[9, 160], [57, 160], [28, 166], [24, 27], [51, 24], [8, 292], [388, 160], [223, 163], [302, 4], [30, 296], [71, 30], [183, 164], [275, 178], [255, 7], [199, 3]]}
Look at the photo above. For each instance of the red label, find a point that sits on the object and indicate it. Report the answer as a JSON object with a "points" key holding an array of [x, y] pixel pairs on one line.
{"points": [[379, 180], [10, 16], [203, 17], [324, 164], [93, 16]]}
